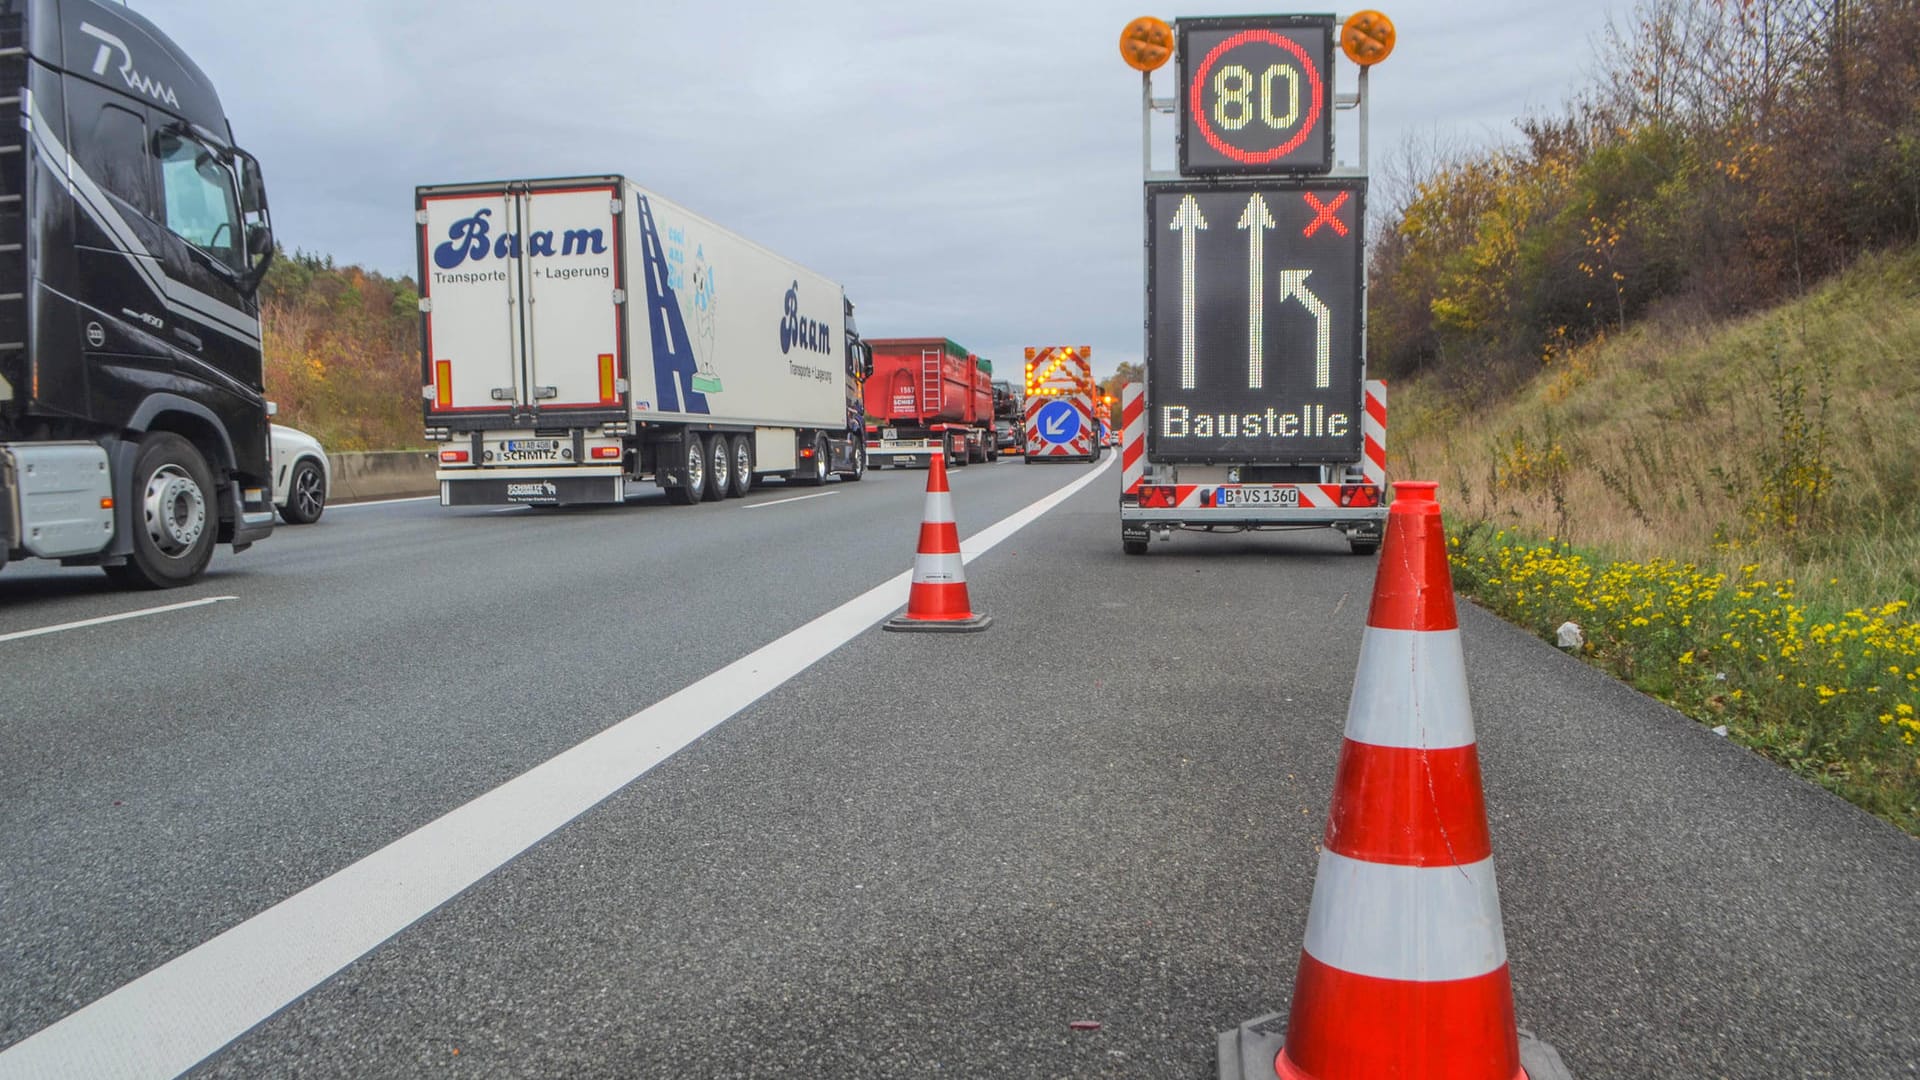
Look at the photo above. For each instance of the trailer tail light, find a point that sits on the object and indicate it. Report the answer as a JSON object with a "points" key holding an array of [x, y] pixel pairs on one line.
{"points": [[1359, 495], [606, 453], [453, 457], [1156, 498], [443, 383], [608, 391], [806, 452], [106, 503]]}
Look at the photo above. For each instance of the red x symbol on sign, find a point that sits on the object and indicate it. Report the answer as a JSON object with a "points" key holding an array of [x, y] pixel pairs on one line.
{"points": [[1325, 213]]}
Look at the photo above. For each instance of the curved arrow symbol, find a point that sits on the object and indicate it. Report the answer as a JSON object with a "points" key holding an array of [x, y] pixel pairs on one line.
{"points": [[1294, 283]]}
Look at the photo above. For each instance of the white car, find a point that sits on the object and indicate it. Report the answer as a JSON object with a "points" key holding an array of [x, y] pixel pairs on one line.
{"points": [[301, 475]]}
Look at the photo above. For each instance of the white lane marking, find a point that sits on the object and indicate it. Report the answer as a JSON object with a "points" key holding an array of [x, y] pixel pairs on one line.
{"points": [[142, 613], [175, 1016], [382, 502], [795, 498]]}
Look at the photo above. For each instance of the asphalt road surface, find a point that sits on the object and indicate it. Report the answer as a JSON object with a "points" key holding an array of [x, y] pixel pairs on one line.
{"points": [[645, 792]]}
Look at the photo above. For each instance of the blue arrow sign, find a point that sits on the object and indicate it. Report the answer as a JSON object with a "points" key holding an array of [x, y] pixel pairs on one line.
{"points": [[1059, 422]]}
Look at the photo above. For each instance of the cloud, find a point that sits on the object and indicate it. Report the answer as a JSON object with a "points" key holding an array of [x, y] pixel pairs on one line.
{"points": [[971, 171]]}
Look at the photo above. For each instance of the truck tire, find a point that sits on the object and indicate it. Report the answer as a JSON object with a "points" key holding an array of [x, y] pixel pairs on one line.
{"points": [[306, 494], [816, 472], [719, 468], [859, 465], [176, 516], [695, 450], [740, 480]]}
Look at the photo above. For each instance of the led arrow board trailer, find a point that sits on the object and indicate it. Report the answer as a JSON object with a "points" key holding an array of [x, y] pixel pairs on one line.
{"points": [[1256, 95], [1255, 301]]}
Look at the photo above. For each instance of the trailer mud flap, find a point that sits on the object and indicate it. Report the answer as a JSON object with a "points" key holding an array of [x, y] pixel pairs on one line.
{"points": [[549, 491]]}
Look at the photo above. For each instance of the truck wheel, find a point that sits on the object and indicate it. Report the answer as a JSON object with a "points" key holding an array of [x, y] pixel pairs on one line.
{"points": [[817, 472], [742, 475], [695, 449], [306, 494], [719, 468], [1133, 547], [177, 518], [859, 464]]}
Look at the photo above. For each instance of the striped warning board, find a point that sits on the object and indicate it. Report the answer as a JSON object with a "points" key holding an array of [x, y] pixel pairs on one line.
{"points": [[1059, 428], [1373, 429], [1133, 436], [1060, 421]]}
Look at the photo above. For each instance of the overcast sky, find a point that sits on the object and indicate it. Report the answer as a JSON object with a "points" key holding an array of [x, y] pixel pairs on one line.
{"points": [[968, 168]]}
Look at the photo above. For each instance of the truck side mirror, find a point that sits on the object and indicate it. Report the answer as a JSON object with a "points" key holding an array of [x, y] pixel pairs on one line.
{"points": [[259, 240], [866, 361]]}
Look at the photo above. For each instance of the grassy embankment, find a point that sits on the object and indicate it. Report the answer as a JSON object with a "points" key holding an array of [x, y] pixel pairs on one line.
{"points": [[1730, 512]]}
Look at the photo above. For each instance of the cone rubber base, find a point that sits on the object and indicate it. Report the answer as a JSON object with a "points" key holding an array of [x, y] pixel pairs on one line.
{"points": [[938, 626], [1247, 1052]]}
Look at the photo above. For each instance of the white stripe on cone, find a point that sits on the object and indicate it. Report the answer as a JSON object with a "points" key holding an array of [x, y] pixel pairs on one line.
{"points": [[1410, 923], [939, 508], [1410, 691], [939, 568]]}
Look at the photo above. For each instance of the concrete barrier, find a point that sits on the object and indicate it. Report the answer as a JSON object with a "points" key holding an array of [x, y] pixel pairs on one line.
{"points": [[382, 474]]}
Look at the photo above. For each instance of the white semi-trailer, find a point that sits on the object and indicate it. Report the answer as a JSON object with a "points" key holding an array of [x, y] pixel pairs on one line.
{"points": [[582, 335]]}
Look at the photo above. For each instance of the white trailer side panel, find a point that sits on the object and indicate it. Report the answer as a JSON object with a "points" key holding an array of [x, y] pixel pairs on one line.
{"points": [[725, 331]]}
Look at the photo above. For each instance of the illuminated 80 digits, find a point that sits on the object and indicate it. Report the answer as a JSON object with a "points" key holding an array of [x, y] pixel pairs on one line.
{"points": [[1233, 105]]}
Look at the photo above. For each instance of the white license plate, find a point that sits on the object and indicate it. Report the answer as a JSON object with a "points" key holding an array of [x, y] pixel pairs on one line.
{"points": [[527, 455], [1257, 496], [890, 434], [532, 444]]}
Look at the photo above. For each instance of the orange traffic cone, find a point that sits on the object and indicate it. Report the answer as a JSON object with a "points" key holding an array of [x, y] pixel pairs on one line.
{"points": [[1404, 968], [938, 598]]}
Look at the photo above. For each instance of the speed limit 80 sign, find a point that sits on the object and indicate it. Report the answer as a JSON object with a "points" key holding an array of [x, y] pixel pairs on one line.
{"points": [[1256, 94]]}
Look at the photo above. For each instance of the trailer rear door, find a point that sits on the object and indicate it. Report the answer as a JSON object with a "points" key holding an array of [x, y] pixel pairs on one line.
{"points": [[525, 291], [573, 289], [471, 329]]}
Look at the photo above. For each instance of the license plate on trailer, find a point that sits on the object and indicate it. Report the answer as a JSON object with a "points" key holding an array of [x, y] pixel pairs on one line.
{"points": [[1257, 496], [518, 445]]}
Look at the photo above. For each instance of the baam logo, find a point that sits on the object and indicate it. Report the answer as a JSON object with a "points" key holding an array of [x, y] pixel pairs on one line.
{"points": [[470, 238], [110, 44], [797, 332]]}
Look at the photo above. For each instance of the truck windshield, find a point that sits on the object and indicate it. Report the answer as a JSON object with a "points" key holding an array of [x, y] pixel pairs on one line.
{"points": [[202, 206]]}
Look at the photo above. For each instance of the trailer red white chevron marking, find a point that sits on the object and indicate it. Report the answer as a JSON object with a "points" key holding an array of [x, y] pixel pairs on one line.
{"points": [[1373, 432], [1133, 440], [1060, 423]]}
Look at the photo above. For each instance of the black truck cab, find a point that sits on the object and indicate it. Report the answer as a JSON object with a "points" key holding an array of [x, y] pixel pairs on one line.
{"points": [[133, 238]]}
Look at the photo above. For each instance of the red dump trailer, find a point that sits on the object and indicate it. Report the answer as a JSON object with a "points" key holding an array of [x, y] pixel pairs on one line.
{"points": [[927, 396]]}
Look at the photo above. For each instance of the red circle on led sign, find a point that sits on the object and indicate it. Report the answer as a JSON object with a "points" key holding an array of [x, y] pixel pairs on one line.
{"points": [[1310, 72]]}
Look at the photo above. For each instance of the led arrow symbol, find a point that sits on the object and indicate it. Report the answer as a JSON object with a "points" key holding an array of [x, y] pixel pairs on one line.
{"points": [[1294, 283], [1256, 220], [1187, 222]]}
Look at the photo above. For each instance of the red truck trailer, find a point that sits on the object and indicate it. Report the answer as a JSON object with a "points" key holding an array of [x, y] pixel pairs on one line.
{"points": [[927, 396]]}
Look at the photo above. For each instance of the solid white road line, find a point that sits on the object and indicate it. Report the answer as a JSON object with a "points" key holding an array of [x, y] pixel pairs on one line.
{"points": [[173, 1017], [142, 613], [795, 498]]}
